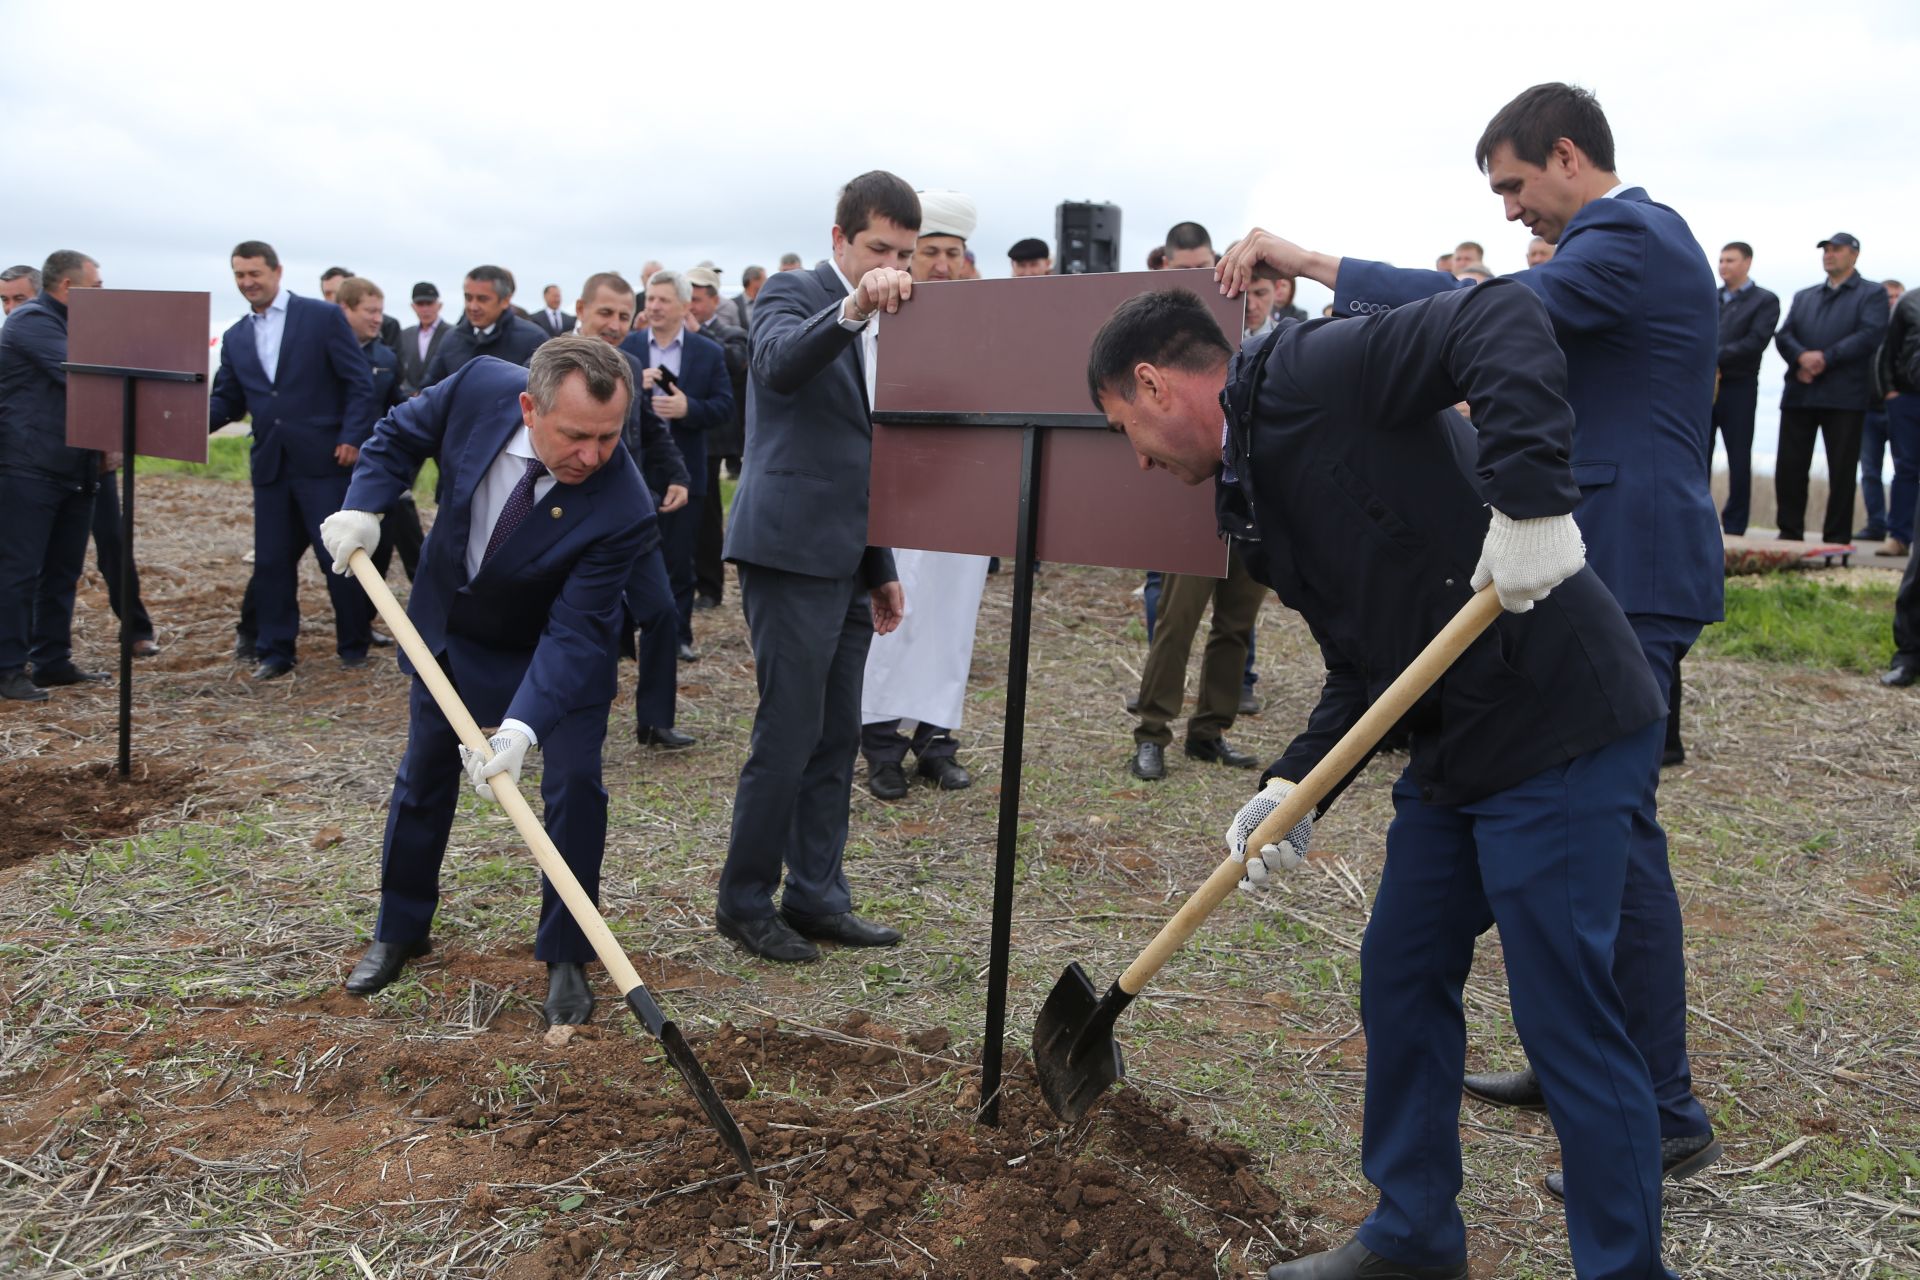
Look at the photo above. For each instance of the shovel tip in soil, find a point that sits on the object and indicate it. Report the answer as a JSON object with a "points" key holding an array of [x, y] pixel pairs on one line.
{"points": [[1074, 1054]]}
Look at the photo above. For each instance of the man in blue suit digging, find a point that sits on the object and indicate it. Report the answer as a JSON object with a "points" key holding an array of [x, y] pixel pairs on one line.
{"points": [[1633, 307], [518, 596]]}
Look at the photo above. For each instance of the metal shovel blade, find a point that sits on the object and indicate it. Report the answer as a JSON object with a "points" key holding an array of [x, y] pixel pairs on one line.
{"points": [[680, 1054], [1074, 1053]]}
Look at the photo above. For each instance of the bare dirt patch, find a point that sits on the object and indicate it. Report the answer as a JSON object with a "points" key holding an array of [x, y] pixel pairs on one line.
{"points": [[51, 805]]}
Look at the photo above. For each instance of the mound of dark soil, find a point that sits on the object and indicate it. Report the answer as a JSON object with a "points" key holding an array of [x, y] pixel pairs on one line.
{"points": [[52, 806]]}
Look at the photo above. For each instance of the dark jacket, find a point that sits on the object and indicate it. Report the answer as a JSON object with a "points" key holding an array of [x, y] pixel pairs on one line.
{"points": [[567, 321], [1633, 307], [390, 333], [1897, 365], [384, 366], [1846, 325], [651, 444], [1747, 322], [413, 365], [321, 395], [541, 616], [514, 339], [729, 437], [703, 377], [802, 501], [1364, 498], [33, 398]]}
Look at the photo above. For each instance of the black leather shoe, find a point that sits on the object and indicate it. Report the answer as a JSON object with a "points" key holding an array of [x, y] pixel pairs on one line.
{"points": [[1220, 751], [945, 772], [1354, 1261], [246, 647], [352, 661], [1507, 1089], [61, 674], [1900, 674], [769, 937], [569, 998], [1149, 762], [1673, 755], [703, 603], [382, 964], [1249, 705], [668, 738], [1680, 1159], [17, 686], [687, 654], [846, 928], [887, 782], [145, 647], [381, 640], [272, 669]]}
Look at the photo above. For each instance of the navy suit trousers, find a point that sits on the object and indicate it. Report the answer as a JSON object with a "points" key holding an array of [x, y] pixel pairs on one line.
{"points": [[1733, 410], [286, 521], [1546, 860], [650, 604], [427, 789], [810, 637], [106, 546], [41, 559], [679, 532]]}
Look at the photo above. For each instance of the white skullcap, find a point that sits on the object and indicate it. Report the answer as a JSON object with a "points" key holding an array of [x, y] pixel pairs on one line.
{"points": [[947, 213]]}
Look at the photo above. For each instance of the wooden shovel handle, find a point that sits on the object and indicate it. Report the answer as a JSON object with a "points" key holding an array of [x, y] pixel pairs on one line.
{"points": [[585, 914], [1474, 617]]}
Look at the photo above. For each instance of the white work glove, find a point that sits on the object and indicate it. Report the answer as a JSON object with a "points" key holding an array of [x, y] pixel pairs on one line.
{"points": [[343, 532], [509, 746], [1289, 853], [1526, 559]]}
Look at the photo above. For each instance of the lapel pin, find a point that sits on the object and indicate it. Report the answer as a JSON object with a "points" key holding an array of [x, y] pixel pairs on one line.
{"points": [[555, 513]]}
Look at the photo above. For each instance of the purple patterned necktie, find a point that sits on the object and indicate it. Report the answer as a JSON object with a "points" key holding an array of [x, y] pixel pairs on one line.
{"points": [[519, 504]]}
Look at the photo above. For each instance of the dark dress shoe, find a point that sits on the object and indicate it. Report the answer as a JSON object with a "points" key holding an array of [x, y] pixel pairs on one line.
{"points": [[272, 669], [845, 928], [703, 603], [569, 998], [1672, 756], [769, 937], [1507, 1089], [381, 640], [246, 646], [945, 772], [1900, 674], [61, 674], [667, 738], [1354, 1261], [382, 964], [1680, 1159], [17, 686], [1149, 762], [687, 654], [1869, 534], [887, 782], [1220, 751], [1249, 705], [352, 661], [145, 647]]}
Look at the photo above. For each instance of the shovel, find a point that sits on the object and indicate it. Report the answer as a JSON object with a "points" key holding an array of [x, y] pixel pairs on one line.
{"points": [[1073, 1048], [618, 967]]}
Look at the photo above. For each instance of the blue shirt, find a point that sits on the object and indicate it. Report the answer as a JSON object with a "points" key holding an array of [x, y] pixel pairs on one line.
{"points": [[269, 327], [1728, 295]]}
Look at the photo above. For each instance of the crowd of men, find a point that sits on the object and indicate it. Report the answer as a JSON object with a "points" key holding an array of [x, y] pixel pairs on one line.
{"points": [[1552, 429]]}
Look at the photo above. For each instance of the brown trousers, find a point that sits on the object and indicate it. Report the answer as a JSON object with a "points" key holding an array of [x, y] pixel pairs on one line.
{"points": [[1183, 599]]}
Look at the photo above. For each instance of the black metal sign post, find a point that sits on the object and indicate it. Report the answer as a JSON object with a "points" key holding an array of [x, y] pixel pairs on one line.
{"points": [[129, 380]]}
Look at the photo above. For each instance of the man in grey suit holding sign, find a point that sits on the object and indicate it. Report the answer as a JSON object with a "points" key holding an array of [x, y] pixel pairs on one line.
{"points": [[814, 592]]}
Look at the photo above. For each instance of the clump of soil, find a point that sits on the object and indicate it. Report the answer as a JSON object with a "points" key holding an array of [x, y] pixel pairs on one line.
{"points": [[51, 806], [868, 1148]]}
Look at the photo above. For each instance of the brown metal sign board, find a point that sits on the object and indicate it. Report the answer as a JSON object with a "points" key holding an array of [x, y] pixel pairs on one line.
{"points": [[139, 329]]}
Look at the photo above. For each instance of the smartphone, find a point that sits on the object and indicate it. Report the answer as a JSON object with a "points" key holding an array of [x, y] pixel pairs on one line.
{"points": [[663, 379]]}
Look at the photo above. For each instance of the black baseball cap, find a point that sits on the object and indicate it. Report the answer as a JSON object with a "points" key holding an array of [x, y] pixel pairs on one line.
{"points": [[1842, 239], [426, 292], [1028, 250]]}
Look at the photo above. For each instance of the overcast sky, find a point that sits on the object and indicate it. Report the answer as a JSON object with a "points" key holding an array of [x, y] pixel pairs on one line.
{"points": [[413, 141]]}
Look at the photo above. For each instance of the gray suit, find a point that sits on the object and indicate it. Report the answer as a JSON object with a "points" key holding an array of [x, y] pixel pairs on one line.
{"points": [[413, 365], [798, 533]]}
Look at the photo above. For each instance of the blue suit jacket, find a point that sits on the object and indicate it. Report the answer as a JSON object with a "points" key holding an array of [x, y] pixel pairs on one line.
{"points": [[321, 395], [703, 376], [1634, 308], [536, 629]]}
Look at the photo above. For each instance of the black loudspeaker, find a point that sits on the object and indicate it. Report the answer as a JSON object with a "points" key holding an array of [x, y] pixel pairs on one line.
{"points": [[1088, 236]]}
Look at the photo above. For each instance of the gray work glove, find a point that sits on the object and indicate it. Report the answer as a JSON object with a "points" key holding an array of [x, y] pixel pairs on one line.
{"points": [[509, 745], [1526, 559], [1290, 852]]}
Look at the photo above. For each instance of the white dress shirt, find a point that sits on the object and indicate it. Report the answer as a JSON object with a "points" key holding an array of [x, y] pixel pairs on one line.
{"points": [[493, 491], [869, 331], [269, 327]]}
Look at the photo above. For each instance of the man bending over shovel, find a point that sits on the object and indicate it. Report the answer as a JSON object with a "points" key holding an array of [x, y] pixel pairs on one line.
{"points": [[1375, 510], [518, 596]]}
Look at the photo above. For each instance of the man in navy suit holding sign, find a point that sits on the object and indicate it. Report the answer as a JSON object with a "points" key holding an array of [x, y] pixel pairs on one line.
{"points": [[294, 364], [1633, 307], [519, 598]]}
